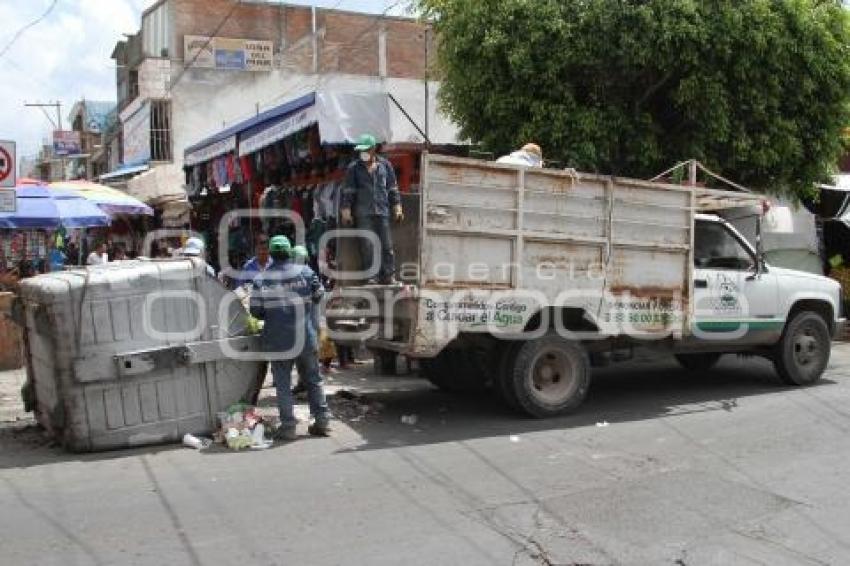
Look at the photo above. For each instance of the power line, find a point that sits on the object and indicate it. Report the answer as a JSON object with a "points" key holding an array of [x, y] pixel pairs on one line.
{"points": [[187, 66], [21, 31]]}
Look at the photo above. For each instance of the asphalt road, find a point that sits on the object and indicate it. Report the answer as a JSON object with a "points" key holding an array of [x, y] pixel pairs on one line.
{"points": [[658, 467]]}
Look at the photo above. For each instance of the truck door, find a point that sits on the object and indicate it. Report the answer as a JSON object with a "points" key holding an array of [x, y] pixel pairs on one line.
{"points": [[731, 303]]}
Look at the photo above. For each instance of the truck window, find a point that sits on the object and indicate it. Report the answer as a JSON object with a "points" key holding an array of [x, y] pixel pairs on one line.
{"points": [[715, 247]]}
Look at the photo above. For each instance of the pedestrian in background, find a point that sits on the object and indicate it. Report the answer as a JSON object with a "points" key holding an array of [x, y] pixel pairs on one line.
{"points": [[98, 255]]}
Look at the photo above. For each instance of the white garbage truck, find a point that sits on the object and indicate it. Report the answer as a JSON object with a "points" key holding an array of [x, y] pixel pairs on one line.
{"points": [[522, 279]]}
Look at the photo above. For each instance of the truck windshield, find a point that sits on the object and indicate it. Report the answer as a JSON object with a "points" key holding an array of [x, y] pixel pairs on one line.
{"points": [[715, 247]]}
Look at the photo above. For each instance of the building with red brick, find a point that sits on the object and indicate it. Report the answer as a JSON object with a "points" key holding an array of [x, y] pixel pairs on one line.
{"points": [[197, 66]]}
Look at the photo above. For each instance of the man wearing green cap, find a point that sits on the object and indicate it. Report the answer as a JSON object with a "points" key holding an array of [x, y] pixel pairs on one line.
{"points": [[369, 194], [284, 297], [300, 256]]}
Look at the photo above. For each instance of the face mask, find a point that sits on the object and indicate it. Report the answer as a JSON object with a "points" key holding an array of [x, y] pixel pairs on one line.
{"points": [[365, 156]]}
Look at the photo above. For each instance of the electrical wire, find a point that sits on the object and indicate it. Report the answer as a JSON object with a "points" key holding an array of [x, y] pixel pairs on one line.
{"points": [[210, 37], [21, 31]]}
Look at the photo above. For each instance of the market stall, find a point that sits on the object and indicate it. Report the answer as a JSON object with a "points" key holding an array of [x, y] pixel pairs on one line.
{"points": [[129, 216], [35, 235], [285, 164]]}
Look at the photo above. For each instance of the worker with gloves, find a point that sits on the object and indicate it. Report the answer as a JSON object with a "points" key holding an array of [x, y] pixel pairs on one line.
{"points": [[369, 195], [530, 156], [284, 297]]}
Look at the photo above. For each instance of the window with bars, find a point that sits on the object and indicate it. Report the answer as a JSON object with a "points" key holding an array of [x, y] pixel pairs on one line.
{"points": [[161, 130]]}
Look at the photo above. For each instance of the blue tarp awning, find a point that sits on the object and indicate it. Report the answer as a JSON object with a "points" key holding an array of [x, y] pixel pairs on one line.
{"points": [[342, 117], [225, 140], [124, 170]]}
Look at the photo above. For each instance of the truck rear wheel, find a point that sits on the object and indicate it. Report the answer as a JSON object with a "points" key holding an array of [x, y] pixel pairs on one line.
{"points": [[550, 376], [698, 362], [801, 356]]}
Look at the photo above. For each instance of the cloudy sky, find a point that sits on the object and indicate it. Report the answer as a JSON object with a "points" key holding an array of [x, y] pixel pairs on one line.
{"points": [[65, 55]]}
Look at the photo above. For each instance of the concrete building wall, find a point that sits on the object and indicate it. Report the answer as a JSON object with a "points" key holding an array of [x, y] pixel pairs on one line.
{"points": [[155, 78]]}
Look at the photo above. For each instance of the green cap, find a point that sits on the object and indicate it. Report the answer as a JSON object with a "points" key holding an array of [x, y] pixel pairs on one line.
{"points": [[280, 244], [299, 252], [365, 142]]}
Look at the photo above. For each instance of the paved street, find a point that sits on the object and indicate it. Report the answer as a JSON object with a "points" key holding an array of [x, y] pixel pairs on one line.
{"points": [[659, 467]]}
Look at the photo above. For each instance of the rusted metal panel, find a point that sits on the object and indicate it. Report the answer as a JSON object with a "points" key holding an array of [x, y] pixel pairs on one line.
{"points": [[620, 249]]}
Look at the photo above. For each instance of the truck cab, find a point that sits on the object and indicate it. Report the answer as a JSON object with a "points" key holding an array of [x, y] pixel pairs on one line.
{"points": [[743, 304]]}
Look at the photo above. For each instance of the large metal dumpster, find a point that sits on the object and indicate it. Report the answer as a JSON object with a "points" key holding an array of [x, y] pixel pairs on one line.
{"points": [[134, 353]]}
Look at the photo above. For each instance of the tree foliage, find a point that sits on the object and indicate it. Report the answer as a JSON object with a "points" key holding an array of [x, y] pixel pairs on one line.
{"points": [[758, 90]]}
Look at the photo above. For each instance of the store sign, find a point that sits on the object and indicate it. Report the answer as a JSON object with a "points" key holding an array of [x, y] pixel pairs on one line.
{"points": [[278, 131], [227, 53], [66, 143], [210, 151], [137, 135]]}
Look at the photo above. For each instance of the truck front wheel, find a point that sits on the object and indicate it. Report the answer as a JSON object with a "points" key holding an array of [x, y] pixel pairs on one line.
{"points": [[801, 356], [550, 376]]}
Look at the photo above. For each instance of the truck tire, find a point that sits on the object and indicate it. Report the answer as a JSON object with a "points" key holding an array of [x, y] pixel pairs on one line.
{"points": [[550, 376], [453, 371], [801, 356], [698, 362], [503, 383]]}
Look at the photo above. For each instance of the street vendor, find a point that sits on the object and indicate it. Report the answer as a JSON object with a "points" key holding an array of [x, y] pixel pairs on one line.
{"points": [[284, 297], [369, 194]]}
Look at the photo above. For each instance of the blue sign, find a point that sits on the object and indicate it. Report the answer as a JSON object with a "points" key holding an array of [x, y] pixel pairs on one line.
{"points": [[230, 59]]}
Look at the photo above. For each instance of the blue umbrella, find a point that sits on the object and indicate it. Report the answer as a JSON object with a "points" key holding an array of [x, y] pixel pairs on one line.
{"points": [[41, 207]]}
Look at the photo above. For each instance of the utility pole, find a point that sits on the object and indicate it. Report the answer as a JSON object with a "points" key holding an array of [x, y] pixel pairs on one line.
{"points": [[57, 125], [427, 87]]}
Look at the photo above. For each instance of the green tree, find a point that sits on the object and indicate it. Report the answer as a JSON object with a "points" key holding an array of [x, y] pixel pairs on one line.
{"points": [[758, 90]]}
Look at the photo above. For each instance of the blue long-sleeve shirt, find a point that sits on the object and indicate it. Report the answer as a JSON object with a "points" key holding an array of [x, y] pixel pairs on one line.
{"points": [[284, 297]]}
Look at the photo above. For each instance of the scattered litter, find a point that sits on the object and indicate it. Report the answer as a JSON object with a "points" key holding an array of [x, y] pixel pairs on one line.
{"points": [[193, 441], [241, 427], [354, 407], [348, 395], [602, 424], [409, 419], [514, 438]]}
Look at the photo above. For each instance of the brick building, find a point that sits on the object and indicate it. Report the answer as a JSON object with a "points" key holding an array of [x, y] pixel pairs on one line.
{"points": [[174, 88]]}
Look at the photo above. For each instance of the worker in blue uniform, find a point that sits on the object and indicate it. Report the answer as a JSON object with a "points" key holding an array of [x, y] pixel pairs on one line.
{"points": [[284, 297]]}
